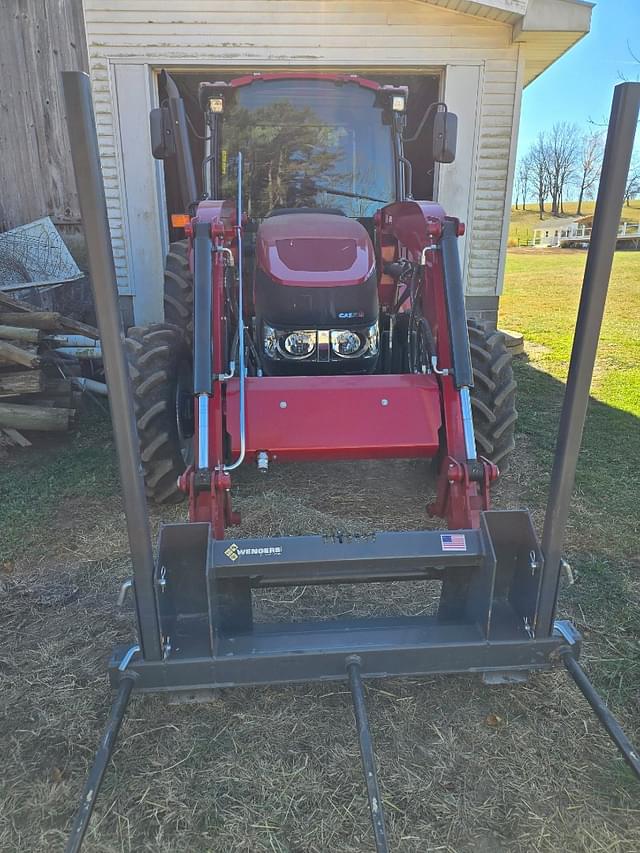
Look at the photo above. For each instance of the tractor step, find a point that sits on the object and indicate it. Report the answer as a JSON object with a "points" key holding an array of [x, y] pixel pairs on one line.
{"points": [[304, 418]]}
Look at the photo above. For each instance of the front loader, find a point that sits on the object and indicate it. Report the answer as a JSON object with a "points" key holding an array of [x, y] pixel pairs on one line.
{"points": [[316, 312]]}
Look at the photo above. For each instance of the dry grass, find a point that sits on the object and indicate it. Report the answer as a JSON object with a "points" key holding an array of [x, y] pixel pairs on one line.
{"points": [[278, 769]]}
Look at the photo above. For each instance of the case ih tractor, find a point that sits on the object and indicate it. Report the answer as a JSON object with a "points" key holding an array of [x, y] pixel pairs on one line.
{"points": [[316, 311], [334, 304]]}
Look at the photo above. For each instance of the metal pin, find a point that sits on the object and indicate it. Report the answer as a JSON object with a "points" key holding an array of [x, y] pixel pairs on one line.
{"points": [[125, 587]]}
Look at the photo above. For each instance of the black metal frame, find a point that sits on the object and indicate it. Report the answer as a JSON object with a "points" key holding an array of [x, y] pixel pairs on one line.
{"points": [[193, 605], [184, 160]]}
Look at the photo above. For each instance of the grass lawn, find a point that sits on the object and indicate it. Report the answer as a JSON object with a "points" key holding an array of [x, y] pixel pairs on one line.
{"points": [[524, 221], [541, 300], [464, 768]]}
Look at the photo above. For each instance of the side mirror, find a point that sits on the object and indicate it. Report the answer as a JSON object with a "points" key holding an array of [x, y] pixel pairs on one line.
{"points": [[163, 144], [445, 135]]}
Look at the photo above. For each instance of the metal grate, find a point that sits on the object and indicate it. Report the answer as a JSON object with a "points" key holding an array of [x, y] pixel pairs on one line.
{"points": [[35, 254]]}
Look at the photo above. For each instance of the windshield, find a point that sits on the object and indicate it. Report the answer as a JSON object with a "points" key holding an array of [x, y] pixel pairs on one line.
{"points": [[307, 143]]}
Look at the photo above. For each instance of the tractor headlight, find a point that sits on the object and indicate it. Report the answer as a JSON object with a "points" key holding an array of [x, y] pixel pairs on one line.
{"points": [[345, 343], [300, 344], [321, 345], [348, 344]]}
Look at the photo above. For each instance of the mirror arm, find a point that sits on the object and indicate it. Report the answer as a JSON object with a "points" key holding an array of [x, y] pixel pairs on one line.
{"points": [[425, 118]]}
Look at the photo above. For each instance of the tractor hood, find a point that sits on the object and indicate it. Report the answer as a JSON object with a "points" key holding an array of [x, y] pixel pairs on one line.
{"points": [[314, 249]]}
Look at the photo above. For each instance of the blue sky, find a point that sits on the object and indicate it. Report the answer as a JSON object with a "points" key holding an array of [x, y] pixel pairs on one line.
{"points": [[579, 86]]}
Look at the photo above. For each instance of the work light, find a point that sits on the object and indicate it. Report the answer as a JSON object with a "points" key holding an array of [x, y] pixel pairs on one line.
{"points": [[345, 343], [300, 344]]}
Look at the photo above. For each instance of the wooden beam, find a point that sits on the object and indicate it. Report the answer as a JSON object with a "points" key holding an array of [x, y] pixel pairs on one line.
{"points": [[21, 382], [36, 418], [78, 328], [14, 304], [18, 355], [50, 321], [16, 437], [19, 333]]}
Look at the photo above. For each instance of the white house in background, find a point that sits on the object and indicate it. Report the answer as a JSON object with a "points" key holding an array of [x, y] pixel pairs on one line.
{"points": [[564, 233], [480, 53]]}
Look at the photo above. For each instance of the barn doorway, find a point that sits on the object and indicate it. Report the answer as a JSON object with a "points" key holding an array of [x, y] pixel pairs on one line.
{"points": [[424, 89]]}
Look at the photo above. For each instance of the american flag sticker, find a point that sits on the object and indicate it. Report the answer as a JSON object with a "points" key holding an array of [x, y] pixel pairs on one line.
{"points": [[453, 541]]}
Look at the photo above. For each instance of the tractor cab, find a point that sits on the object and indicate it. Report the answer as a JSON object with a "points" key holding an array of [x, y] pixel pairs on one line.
{"points": [[322, 157]]}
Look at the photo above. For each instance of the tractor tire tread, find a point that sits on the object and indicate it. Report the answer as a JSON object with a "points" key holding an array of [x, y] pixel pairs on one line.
{"points": [[493, 397], [153, 354], [178, 289]]}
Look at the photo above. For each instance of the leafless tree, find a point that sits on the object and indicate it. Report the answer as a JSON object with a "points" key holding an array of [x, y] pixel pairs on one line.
{"points": [[517, 189], [538, 171], [561, 153], [588, 166], [524, 178], [632, 188]]}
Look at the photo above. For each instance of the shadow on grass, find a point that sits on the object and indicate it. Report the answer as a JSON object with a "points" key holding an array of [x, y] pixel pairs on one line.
{"points": [[35, 481], [603, 528]]}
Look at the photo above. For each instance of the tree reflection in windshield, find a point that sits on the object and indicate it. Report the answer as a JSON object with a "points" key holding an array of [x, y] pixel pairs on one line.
{"points": [[307, 144]]}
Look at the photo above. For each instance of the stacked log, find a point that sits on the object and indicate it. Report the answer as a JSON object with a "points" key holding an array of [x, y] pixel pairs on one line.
{"points": [[37, 391]]}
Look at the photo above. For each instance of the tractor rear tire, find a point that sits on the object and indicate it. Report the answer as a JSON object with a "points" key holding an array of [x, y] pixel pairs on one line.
{"points": [[178, 289], [160, 371], [493, 397]]}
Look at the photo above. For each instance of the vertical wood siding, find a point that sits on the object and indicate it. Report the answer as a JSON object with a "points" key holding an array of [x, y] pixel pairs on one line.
{"points": [[38, 40], [360, 34]]}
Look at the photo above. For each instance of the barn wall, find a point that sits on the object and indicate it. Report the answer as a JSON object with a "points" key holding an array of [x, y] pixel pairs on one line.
{"points": [[363, 34], [38, 40]]}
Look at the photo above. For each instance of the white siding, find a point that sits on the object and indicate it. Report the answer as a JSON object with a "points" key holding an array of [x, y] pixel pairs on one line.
{"points": [[366, 35]]}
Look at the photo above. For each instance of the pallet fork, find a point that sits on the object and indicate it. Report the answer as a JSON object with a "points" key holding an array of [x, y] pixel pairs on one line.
{"points": [[499, 592]]}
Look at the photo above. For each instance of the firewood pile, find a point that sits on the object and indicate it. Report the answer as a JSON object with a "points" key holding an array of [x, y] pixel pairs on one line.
{"points": [[39, 369]]}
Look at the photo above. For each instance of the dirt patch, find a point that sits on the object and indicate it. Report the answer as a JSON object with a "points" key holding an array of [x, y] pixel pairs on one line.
{"points": [[463, 767]]}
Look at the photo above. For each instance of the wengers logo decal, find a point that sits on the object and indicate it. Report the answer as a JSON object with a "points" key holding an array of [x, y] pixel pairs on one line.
{"points": [[234, 552]]}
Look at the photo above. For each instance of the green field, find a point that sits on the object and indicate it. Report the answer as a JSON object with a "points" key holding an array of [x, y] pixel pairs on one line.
{"points": [[541, 300], [524, 221]]}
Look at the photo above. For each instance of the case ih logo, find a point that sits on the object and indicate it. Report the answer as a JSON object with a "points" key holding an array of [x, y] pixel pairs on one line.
{"points": [[233, 552]]}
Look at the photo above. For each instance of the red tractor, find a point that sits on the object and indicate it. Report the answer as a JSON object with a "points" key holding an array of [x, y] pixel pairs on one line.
{"points": [[326, 318]]}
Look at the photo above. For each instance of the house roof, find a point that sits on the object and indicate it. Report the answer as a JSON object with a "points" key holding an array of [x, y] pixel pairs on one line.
{"points": [[552, 224], [546, 29]]}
